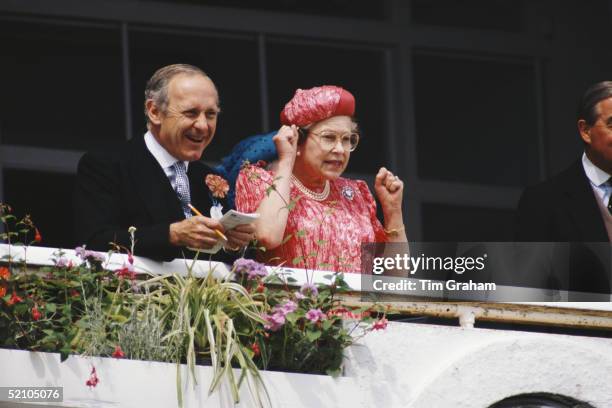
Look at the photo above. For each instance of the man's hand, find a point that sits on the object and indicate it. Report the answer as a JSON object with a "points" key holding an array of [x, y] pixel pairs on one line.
{"points": [[195, 232], [240, 236]]}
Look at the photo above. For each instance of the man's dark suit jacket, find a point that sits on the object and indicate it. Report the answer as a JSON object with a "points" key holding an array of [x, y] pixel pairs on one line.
{"points": [[563, 210], [126, 188]]}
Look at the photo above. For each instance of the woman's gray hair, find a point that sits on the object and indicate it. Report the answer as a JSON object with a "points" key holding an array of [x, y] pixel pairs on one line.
{"points": [[157, 87]]}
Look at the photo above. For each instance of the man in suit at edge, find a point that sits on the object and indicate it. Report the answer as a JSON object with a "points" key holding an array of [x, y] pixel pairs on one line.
{"points": [[149, 180], [574, 206]]}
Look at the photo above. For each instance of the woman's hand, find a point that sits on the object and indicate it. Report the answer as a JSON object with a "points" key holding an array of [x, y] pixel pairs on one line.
{"points": [[286, 144], [389, 190]]}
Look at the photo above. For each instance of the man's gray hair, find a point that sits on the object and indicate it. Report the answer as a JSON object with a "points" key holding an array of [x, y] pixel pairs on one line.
{"points": [[157, 86]]}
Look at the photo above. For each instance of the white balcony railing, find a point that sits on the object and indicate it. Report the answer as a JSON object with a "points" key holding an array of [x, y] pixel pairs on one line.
{"points": [[407, 365]]}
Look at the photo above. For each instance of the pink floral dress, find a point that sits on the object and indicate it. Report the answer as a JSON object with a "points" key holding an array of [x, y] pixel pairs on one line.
{"points": [[325, 235]]}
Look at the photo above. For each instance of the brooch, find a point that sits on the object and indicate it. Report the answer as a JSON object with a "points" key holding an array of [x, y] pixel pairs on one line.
{"points": [[348, 193]]}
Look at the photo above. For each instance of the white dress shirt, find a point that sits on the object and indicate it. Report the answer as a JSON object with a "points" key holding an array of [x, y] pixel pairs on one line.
{"points": [[598, 179], [165, 159]]}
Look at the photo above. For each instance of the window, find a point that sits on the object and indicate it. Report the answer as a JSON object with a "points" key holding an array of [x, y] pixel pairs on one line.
{"points": [[61, 86], [47, 197], [476, 120]]}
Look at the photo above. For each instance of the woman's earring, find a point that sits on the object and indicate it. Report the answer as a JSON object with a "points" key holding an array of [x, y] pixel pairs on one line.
{"points": [[298, 153]]}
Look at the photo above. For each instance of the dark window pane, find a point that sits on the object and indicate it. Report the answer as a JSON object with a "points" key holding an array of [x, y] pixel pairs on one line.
{"points": [[337, 8], [61, 86], [293, 66], [443, 222], [476, 120], [47, 197], [505, 15], [231, 63]]}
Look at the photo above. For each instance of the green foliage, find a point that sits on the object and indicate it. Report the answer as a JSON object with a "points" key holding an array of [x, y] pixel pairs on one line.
{"points": [[301, 343], [210, 320]]}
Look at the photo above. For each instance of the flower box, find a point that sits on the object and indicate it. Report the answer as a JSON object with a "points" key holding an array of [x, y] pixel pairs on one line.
{"points": [[137, 384]]}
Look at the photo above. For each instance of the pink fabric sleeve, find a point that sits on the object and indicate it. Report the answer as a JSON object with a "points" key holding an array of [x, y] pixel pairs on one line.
{"points": [[251, 187], [379, 230]]}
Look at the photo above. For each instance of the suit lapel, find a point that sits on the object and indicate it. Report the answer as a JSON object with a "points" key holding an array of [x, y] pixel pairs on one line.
{"points": [[582, 205], [152, 184]]}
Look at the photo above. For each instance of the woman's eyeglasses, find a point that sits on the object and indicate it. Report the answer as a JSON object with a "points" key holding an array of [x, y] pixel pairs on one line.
{"points": [[328, 140]]}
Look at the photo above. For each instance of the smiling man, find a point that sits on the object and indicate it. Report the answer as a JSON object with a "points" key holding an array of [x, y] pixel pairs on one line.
{"points": [[151, 181]]}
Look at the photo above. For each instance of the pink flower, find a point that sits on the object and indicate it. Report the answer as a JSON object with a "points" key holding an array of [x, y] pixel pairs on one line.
{"points": [[299, 296], [250, 268], [309, 289], [380, 324], [274, 321], [93, 378], [118, 353], [315, 315], [88, 255], [63, 263], [217, 185], [288, 307]]}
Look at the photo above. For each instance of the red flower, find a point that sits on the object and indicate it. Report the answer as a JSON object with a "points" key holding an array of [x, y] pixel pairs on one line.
{"points": [[14, 299], [74, 293], [37, 236], [5, 273], [36, 315], [380, 324], [126, 272], [255, 348], [2, 291], [260, 287], [93, 378], [118, 353], [217, 185]]}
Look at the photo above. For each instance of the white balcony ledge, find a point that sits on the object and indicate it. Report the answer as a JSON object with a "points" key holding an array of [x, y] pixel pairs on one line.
{"points": [[407, 365]]}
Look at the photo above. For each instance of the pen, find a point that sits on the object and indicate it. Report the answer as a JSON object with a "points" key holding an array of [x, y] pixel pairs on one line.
{"points": [[219, 233]]}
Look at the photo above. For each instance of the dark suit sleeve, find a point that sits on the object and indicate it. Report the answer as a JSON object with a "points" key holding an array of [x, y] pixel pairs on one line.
{"points": [[533, 218], [99, 211]]}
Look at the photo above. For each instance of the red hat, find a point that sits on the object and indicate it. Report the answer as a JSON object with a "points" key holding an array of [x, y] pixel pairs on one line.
{"points": [[312, 105]]}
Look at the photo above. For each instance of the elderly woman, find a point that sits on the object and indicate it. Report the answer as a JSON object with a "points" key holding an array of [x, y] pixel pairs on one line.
{"points": [[310, 216]]}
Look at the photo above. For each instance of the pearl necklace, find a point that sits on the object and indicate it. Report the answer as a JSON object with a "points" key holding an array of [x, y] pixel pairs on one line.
{"points": [[309, 193]]}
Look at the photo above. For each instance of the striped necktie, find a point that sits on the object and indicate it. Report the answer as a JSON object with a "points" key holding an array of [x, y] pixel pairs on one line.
{"points": [[181, 186]]}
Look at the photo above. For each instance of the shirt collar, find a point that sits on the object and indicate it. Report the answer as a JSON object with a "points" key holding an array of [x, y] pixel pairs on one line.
{"points": [[162, 156], [596, 175]]}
